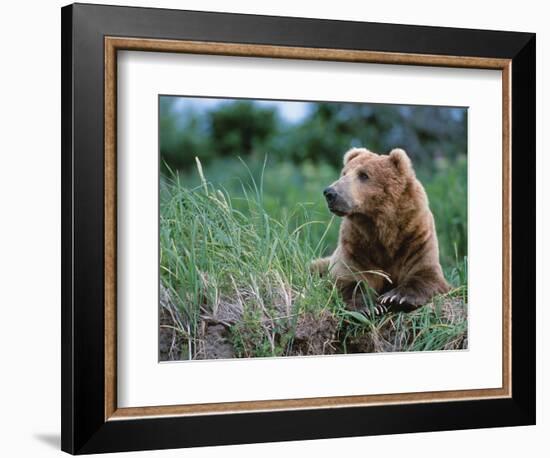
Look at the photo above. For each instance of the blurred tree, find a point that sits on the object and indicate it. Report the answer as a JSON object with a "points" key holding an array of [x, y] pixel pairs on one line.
{"points": [[427, 133], [183, 135], [432, 136], [240, 127]]}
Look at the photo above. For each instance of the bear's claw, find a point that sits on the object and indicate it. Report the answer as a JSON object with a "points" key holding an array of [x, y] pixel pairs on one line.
{"points": [[398, 300], [378, 310]]}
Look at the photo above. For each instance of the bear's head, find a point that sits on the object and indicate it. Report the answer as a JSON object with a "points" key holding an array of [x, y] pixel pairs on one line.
{"points": [[370, 183]]}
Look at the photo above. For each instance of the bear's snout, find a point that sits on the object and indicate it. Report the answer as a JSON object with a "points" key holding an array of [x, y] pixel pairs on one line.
{"points": [[330, 194], [336, 202]]}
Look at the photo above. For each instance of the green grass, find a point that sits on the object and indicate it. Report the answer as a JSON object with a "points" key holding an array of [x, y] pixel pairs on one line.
{"points": [[447, 191], [235, 256]]}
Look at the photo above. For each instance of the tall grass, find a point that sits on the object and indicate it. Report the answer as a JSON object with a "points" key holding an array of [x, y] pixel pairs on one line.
{"points": [[287, 185], [241, 261], [215, 255], [447, 191]]}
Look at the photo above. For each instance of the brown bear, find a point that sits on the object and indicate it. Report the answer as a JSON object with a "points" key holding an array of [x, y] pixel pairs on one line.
{"points": [[387, 235]]}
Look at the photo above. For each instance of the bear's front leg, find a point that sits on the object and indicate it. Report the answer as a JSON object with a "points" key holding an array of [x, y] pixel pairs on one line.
{"points": [[320, 266]]}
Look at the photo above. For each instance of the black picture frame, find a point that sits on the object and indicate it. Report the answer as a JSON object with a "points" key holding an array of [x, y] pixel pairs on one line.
{"points": [[84, 428]]}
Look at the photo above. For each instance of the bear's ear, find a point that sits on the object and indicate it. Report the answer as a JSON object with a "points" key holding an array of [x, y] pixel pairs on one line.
{"points": [[353, 153], [399, 159]]}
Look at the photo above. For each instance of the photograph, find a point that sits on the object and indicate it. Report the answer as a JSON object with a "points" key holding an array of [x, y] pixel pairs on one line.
{"points": [[310, 228]]}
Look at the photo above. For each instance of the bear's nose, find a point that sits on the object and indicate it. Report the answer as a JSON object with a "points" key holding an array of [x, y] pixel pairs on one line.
{"points": [[330, 194]]}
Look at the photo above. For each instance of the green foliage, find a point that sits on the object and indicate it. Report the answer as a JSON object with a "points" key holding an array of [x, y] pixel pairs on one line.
{"points": [[427, 133], [181, 133], [242, 127], [447, 191]]}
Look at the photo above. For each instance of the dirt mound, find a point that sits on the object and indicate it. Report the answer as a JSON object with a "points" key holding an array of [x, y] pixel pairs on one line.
{"points": [[215, 343], [213, 338], [227, 331], [315, 334]]}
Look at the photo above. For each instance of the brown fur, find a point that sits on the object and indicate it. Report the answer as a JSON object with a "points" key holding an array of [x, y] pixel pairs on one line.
{"points": [[387, 235]]}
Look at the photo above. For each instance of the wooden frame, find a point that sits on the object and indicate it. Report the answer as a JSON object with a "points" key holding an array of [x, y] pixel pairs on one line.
{"points": [[112, 45], [109, 428]]}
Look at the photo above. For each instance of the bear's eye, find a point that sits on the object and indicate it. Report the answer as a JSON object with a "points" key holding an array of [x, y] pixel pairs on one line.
{"points": [[362, 176]]}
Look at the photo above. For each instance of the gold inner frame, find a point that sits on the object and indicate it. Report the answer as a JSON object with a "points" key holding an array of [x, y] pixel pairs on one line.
{"points": [[114, 44]]}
